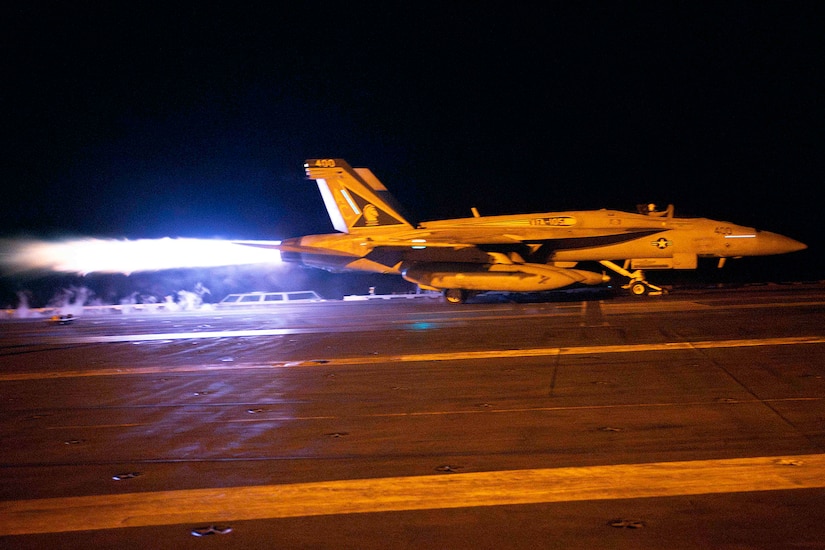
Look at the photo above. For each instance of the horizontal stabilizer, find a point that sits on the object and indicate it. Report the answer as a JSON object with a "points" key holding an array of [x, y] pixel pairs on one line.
{"points": [[294, 246]]}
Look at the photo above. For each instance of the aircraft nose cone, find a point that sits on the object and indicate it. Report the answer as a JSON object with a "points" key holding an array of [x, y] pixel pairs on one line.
{"points": [[774, 243]]}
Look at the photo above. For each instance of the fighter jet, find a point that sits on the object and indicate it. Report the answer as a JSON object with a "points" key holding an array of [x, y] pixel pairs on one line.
{"points": [[509, 253]]}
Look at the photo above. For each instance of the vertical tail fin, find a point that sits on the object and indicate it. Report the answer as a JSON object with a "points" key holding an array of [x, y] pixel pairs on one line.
{"points": [[354, 197]]}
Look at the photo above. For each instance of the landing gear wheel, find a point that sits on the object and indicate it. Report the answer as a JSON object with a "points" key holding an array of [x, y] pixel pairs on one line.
{"points": [[455, 295], [638, 289]]}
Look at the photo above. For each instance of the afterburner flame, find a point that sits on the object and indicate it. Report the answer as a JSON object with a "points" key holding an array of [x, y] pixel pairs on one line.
{"points": [[129, 256]]}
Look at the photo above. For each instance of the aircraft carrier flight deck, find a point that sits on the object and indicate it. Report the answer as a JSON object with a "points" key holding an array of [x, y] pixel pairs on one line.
{"points": [[695, 419]]}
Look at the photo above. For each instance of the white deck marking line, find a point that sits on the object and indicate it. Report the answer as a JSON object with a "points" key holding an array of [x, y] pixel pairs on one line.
{"points": [[475, 411], [422, 357], [444, 491]]}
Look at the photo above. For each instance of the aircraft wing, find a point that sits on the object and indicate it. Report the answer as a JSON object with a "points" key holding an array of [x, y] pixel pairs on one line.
{"points": [[466, 238], [474, 245]]}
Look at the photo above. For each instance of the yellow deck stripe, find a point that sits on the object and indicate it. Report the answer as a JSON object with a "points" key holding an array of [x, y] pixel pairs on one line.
{"points": [[421, 357], [662, 479]]}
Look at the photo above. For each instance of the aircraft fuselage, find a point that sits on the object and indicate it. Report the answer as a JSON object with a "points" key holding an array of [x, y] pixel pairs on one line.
{"points": [[545, 238], [519, 253]]}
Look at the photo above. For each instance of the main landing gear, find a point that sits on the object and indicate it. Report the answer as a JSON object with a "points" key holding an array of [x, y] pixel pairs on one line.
{"points": [[456, 295], [638, 285]]}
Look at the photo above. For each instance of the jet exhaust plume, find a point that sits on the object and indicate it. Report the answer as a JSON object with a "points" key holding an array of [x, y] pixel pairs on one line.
{"points": [[84, 256]]}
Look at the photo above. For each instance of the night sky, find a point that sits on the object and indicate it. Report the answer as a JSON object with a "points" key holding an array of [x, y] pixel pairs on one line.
{"points": [[130, 121]]}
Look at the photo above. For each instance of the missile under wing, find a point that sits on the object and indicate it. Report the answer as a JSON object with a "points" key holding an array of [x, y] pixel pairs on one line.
{"points": [[515, 253]]}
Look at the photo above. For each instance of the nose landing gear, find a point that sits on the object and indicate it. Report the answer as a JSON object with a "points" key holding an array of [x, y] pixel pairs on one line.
{"points": [[638, 285], [642, 287]]}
